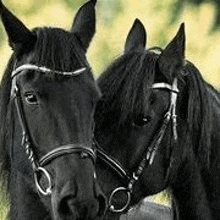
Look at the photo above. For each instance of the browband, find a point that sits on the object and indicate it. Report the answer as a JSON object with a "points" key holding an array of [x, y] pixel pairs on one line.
{"points": [[42, 69], [45, 70], [163, 85]]}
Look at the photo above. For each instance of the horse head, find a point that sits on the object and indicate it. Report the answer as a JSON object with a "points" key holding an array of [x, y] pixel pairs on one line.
{"points": [[48, 101], [136, 128]]}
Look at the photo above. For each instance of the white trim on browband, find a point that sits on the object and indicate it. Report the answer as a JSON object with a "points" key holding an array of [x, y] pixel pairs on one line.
{"points": [[45, 70], [163, 85]]}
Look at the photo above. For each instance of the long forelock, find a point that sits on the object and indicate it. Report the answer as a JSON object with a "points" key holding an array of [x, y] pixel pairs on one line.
{"points": [[58, 50], [126, 84]]}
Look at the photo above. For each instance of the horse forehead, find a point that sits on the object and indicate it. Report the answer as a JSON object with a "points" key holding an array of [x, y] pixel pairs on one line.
{"points": [[79, 86], [25, 58], [61, 89]]}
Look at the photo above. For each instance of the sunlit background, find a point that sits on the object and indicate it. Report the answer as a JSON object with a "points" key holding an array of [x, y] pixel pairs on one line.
{"points": [[115, 18]]}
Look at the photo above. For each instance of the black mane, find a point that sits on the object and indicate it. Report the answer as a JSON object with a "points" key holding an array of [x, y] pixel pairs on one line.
{"points": [[199, 114]]}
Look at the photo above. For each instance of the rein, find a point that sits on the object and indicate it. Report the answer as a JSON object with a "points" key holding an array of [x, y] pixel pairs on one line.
{"points": [[150, 154], [38, 165]]}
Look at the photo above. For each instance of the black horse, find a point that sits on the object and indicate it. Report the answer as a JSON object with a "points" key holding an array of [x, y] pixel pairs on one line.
{"points": [[48, 96], [157, 127]]}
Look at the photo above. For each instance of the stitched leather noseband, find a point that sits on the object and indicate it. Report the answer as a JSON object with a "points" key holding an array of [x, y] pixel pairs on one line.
{"points": [[149, 156], [38, 165]]}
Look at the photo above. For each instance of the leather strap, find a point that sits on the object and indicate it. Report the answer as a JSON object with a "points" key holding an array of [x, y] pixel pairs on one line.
{"points": [[66, 149]]}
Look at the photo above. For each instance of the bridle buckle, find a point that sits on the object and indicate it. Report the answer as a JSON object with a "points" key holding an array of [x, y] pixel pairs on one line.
{"points": [[113, 194], [48, 190]]}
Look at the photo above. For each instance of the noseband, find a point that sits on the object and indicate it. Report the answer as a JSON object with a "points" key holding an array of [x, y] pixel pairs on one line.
{"points": [[38, 165], [149, 156]]}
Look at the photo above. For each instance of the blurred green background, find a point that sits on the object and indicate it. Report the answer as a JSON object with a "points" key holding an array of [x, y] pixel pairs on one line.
{"points": [[115, 18]]}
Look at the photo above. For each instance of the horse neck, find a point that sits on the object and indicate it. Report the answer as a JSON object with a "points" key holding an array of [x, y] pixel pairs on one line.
{"points": [[197, 190], [189, 194]]}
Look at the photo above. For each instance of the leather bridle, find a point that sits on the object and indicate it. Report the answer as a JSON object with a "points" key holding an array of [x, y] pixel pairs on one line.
{"points": [[149, 156], [38, 165]]}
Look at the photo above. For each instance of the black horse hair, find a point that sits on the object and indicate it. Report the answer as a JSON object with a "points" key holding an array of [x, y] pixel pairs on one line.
{"points": [[52, 46], [127, 83]]}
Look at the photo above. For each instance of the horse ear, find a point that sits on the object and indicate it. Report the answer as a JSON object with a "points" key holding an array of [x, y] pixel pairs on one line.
{"points": [[136, 39], [84, 23], [19, 36], [172, 58]]}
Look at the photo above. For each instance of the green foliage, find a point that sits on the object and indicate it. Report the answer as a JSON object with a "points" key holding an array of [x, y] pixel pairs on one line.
{"points": [[3, 200], [197, 3], [1, 36], [111, 9], [177, 8], [74, 4]]}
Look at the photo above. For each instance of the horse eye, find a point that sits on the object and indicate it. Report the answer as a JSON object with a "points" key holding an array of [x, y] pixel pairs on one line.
{"points": [[141, 121], [31, 99]]}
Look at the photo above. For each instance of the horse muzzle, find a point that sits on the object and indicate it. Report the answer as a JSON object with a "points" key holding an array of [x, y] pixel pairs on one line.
{"points": [[69, 204]]}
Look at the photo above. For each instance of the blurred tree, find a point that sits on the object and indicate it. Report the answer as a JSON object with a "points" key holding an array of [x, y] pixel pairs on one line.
{"points": [[111, 8], [178, 7], [1, 35], [74, 4], [180, 4], [114, 18]]}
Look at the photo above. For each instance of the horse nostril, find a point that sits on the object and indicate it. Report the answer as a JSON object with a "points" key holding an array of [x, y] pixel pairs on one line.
{"points": [[67, 207]]}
